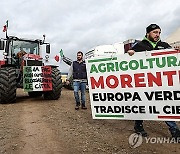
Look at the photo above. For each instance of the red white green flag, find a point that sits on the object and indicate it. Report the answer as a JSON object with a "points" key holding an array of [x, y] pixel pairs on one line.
{"points": [[5, 27]]}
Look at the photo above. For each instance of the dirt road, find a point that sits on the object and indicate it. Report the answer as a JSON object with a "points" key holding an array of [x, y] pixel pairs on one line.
{"points": [[36, 126]]}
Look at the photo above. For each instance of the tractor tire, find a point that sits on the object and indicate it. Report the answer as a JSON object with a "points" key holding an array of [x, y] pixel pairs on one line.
{"points": [[56, 86], [8, 85], [35, 94]]}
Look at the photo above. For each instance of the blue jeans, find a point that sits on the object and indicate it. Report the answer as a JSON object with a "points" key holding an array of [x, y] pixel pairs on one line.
{"points": [[78, 85], [171, 124]]}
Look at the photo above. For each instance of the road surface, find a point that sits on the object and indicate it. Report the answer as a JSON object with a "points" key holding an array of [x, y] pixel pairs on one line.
{"points": [[37, 126]]}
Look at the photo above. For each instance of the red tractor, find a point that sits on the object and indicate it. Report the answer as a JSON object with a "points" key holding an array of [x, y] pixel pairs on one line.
{"points": [[18, 59]]}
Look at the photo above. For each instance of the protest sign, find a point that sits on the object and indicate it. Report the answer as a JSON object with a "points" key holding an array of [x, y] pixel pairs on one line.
{"points": [[37, 78], [144, 86]]}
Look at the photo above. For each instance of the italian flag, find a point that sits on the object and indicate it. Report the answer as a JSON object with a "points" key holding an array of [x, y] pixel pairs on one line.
{"points": [[37, 78], [5, 27]]}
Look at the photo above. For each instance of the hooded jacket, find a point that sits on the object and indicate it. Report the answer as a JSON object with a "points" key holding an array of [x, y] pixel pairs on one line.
{"points": [[147, 45]]}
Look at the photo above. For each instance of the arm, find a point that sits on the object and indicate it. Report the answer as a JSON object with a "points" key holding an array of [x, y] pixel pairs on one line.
{"points": [[167, 46], [138, 47], [70, 72], [133, 49], [131, 52]]}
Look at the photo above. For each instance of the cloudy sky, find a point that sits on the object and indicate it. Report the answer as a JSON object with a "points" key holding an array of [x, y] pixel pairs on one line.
{"points": [[75, 25]]}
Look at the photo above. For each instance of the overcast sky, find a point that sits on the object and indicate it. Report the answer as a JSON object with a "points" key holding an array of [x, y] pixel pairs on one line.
{"points": [[75, 25]]}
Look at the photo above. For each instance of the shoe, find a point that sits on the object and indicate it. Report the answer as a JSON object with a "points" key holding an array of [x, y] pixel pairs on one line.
{"points": [[176, 134], [83, 107], [77, 107], [140, 130]]}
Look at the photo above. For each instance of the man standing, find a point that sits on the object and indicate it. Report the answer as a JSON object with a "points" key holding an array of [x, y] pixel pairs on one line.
{"points": [[150, 42], [78, 72]]}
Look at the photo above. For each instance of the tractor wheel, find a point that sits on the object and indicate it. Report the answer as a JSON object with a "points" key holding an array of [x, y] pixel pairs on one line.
{"points": [[7, 85], [56, 86], [34, 94]]}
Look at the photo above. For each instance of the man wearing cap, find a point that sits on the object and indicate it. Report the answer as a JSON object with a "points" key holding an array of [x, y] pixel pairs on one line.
{"points": [[150, 42]]}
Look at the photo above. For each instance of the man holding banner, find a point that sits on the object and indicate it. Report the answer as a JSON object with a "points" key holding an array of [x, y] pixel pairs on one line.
{"points": [[150, 42]]}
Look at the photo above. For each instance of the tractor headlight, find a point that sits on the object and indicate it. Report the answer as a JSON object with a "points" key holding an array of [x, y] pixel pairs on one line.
{"points": [[5, 53], [46, 57]]}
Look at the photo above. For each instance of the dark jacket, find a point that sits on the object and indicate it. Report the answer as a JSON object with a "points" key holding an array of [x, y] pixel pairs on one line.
{"points": [[145, 45], [79, 70]]}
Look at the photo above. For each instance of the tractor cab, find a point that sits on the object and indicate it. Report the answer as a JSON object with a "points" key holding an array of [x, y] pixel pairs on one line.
{"points": [[13, 50]]}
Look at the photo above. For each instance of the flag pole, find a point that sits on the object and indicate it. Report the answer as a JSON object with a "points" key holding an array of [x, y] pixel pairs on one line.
{"points": [[7, 28], [6, 34]]}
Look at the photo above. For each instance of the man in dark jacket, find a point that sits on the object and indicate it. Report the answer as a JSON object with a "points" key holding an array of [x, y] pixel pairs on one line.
{"points": [[79, 74], [150, 42]]}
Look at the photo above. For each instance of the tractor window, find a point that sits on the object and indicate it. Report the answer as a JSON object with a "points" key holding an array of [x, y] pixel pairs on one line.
{"points": [[24, 46]]}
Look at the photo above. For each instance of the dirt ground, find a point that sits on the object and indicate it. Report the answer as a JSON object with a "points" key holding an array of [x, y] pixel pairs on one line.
{"points": [[36, 126]]}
